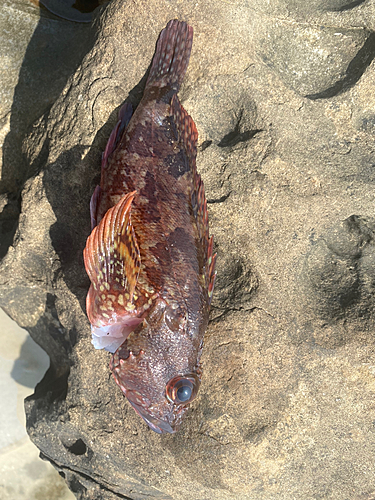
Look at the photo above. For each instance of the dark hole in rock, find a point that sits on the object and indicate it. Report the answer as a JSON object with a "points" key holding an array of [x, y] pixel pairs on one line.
{"points": [[62, 474], [78, 447], [219, 200], [76, 487], [9, 213], [205, 145]]}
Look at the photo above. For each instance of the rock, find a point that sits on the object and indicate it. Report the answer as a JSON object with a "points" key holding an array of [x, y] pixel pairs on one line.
{"points": [[327, 5], [282, 8], [317, 62], [38, 64], [338, 276], [286, 403]]}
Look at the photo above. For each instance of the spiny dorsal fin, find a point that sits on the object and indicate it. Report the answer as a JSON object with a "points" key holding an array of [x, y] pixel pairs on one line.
{"points": [[111, 255], [210, 269], [188, 136]]}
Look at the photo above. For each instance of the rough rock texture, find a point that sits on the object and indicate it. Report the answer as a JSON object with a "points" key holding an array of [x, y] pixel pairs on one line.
{"points": [[317, 62], [37, 54], [286, 150]]}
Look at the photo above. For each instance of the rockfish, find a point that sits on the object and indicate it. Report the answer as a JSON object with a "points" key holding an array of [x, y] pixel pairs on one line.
{"points": [[149, 256]]}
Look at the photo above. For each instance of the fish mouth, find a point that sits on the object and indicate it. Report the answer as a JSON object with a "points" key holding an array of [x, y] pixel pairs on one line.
{"points": [[157, 425]]}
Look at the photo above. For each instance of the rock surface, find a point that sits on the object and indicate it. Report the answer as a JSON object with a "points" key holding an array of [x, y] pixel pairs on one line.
{"points": [[286, 405]]}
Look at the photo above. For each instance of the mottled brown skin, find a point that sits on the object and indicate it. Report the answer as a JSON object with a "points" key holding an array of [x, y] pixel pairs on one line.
{"points": [[155, 158], [173, 260]]}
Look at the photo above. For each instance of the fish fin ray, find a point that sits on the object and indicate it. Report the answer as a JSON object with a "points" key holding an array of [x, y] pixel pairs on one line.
{"points": [[172, 54], [110, 146], [188, 137], [94, 203], [124, 117], [210, 269], [112, 251]]}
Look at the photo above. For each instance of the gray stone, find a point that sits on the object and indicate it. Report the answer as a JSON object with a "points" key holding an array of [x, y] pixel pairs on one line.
{"points": [[327, 5], [286, 404], [317, 62], [38, 54], [338, 275], [283, 8]]}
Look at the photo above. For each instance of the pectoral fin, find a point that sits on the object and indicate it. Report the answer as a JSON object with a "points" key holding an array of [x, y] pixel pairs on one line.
{"points": [[111, 255]]}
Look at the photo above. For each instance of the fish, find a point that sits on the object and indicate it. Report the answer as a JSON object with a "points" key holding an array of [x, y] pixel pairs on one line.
{"points": [[149, 256]]}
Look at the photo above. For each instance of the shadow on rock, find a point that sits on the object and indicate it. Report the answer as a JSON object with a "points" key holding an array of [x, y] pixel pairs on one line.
{"points": [[54, 52], [338, 278], [29, 365]]}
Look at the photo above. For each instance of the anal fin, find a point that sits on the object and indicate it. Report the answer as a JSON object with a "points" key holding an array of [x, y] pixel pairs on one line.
{"points": [[124, 116], [94, 203]]}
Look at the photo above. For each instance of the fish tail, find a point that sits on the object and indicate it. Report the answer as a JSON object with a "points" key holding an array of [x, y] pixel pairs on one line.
{"points": [[172, 55]]}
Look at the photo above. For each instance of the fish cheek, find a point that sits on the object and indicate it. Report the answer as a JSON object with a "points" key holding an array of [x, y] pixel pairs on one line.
{"points": [[123, 352], [133, 367]]}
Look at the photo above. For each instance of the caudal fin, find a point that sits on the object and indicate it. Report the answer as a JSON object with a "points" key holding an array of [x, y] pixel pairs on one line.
{"points": [[172, 55]]}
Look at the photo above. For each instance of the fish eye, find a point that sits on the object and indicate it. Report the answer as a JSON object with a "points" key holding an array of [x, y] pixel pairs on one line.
{"points": [[182, 389]]}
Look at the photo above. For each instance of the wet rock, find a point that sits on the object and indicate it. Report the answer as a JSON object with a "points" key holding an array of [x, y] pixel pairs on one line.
{"points": [[317, 62], [286, 403]]}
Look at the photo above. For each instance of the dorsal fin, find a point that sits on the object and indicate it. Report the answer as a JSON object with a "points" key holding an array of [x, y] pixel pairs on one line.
{"points": [[188, 136], [111, 255], [210, 269]]}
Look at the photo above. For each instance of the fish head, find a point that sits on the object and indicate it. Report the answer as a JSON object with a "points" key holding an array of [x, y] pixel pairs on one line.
{"points": [[157, 368]]}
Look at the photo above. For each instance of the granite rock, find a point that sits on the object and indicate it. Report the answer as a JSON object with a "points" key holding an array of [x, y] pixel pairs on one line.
{"points": [[317, 62], [324, 5], [285, 409]]}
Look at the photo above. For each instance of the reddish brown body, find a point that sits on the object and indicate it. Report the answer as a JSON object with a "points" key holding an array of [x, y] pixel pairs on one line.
{"points": [[150, 257]]}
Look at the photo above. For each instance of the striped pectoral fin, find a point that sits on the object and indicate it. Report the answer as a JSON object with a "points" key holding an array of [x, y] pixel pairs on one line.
{"points": [[111, 255]]}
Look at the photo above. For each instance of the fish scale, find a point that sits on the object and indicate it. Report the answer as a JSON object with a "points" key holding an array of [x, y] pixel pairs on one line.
{"points": [[149, 256]]}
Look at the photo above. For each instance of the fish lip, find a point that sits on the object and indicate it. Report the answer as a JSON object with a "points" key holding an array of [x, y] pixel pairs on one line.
{"points": [[157, 425]]}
